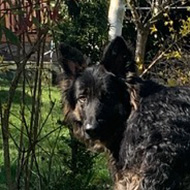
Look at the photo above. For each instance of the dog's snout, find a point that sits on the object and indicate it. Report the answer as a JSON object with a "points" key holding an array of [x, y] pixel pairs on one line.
{"points": [[93, 129], [90, 129]]}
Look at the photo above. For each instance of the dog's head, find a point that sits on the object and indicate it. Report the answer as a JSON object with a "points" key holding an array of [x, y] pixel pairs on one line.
{"points": [[95, 99]]}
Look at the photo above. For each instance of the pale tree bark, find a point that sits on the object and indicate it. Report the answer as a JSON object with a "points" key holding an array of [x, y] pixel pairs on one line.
{"points": [[115, 16], [141, 41], [142, 34], [143, 24]]}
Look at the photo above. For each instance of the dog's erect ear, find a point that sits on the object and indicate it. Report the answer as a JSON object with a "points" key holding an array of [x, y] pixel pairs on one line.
{"points": [[71, 60], [118, 57]]}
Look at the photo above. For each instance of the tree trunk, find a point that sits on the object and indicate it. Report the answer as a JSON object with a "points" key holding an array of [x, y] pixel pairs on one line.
{"points": [[115, 17], [142, 36]]}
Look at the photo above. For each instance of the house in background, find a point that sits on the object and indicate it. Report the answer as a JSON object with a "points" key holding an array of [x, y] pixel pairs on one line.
{"points": [[22, 17]]}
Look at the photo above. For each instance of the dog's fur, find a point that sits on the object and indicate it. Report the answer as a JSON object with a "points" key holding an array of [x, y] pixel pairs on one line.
{"points": [[143, 125]]}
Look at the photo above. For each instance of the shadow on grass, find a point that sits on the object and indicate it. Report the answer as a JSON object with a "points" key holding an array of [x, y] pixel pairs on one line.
{"points": [[17, 97], [3, 174]]}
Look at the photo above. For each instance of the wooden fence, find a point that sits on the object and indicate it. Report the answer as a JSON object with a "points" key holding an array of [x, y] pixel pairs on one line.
{"points": [[23, 15]]}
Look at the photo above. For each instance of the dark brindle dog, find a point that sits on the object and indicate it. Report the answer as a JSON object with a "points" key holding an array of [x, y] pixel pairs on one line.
{"points": [[143, 125]]}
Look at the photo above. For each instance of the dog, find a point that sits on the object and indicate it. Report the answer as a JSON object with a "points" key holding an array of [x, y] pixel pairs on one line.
{"points": [[144, 126]]}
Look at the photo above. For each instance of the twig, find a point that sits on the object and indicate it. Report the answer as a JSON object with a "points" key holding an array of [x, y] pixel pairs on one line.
{"points": [[47, 117], [159, 57]]}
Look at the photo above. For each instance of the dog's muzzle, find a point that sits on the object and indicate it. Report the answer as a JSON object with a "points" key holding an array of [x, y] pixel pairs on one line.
{"points": [[90, 130]]}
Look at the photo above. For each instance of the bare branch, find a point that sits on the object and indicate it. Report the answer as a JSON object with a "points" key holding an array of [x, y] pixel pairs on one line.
{"points": [[135, 14], [159, 57], [158, 7]]}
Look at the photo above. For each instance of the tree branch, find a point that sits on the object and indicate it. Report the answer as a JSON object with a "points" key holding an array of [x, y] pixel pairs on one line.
{"points": [[159, 57], [135, 14]]}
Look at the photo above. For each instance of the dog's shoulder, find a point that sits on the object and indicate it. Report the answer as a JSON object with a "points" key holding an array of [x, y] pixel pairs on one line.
{"points": [[155, 97]]}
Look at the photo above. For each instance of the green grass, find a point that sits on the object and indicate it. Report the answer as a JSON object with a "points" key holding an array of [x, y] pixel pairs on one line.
{"points": [[53, 150]]}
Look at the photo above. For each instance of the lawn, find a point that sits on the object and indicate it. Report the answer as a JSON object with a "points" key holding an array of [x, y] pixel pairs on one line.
{"points": [[54, 147]]}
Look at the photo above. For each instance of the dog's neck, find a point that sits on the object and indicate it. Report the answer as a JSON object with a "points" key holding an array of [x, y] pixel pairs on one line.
{"points": [[114, 153], [115, 143], [136, 93]]}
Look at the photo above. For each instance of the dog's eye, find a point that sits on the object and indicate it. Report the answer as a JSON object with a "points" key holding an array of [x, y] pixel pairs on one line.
{"points": [[82, 99]]}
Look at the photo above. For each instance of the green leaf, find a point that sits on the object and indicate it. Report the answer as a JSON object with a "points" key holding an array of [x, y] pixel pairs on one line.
{"points": [[171, 82], [10, 36], [36, 21], [153, 29]]}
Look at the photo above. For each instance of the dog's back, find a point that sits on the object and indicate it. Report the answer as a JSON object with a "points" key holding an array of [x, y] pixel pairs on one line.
{"points": [[144, 126], [156, 144]]}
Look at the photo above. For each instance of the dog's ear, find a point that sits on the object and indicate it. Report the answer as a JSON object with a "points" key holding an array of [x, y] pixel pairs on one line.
{"points": [[71, 60], [118, 57]]}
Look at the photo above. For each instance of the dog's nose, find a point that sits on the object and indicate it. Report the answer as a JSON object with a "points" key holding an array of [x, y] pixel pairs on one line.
{"points": [[90, 129]]}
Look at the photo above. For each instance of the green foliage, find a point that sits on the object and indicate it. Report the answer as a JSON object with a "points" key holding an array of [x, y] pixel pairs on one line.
{"points": [[63, 162], [80, 28], [60, 161], [86, 29], [169, 37], [185, 28], [10, 36], [173, 54]]}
